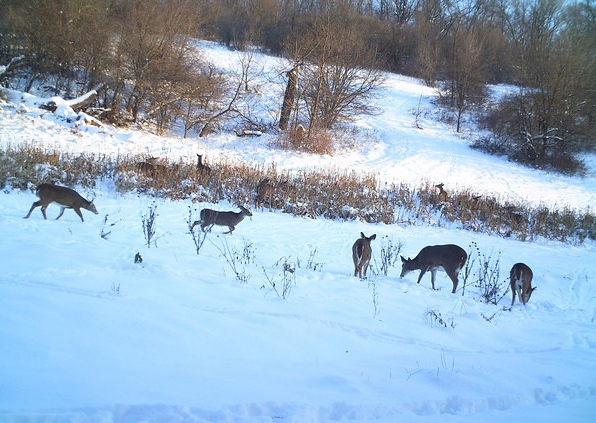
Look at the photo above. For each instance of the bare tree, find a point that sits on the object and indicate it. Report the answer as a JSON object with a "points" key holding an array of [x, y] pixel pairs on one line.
{"points": [[339, 75], [154, 48]]}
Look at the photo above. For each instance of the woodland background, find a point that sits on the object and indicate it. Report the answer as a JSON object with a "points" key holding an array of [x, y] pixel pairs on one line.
{"points": [[140, 57]]}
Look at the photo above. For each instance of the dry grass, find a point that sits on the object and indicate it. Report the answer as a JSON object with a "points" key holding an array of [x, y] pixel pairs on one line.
{"points": [[331, 194]]}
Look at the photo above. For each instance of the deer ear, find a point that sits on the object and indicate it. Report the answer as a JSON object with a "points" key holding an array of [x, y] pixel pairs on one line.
{"points": [[362, 235], [373, 236], [403, 259]]}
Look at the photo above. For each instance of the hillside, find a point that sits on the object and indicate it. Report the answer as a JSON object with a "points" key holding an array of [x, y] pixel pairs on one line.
{"points": [[268, 324]]}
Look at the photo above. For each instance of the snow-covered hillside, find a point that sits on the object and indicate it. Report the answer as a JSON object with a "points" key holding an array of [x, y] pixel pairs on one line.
{"points": [[88, 335]]}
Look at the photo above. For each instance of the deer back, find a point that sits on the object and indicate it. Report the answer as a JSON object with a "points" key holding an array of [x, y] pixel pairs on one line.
{"points": [[450, 257]]}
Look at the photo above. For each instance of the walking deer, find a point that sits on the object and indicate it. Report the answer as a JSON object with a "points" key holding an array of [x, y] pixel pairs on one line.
{"points": [[521, 282], [450, 258], [361, 253], [63, 196], [226, 218]]}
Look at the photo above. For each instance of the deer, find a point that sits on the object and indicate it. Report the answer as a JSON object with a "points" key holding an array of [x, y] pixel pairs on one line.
{"points": [[65, 197], [442, 192], [450, 258], [150, 167], [521, 282], [265, 189], [230, 219], [361, 253], [202, 167]]}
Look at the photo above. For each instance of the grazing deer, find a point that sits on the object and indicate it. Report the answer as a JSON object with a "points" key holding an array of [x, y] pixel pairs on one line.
{"points": [[150, 167], [450, 258], [442, 192], [361, 253], [202, 167], [521, 282], [227, 218], [65, 197]]}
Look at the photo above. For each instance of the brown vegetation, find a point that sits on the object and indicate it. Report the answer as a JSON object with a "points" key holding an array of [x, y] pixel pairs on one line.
{"points": [[315, 194]]}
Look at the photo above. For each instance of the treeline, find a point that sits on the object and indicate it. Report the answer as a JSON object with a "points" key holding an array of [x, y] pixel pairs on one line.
{"points": [[141, 53]]}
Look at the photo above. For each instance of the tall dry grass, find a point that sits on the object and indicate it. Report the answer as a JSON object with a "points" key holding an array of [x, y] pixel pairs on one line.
{"points": [[332, 194]]}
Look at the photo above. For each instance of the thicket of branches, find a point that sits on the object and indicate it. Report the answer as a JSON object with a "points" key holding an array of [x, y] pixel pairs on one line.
{"points": [[141, 53]]}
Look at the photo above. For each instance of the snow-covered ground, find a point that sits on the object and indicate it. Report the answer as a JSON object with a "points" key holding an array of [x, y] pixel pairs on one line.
{"points": [[88, 335]]}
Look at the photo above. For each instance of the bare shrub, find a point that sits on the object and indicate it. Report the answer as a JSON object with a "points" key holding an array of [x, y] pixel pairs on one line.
{"points": [[234, 260], [484, 269], [434, 318], [282, 282], [198, 236], [148, 221], [389, 253], [317, 141]]}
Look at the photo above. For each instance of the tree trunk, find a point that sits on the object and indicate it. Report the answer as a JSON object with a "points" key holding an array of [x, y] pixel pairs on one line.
{"points": [[77, 103], [289, 95]]}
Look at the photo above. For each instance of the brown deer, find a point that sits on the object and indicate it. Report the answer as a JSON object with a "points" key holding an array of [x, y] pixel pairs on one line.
{"points": [[361, 253], [521, 282], [226, 218], [63, 196], [151, 168], [442, 193], [265, 189], [450, 258], [202, 167]]}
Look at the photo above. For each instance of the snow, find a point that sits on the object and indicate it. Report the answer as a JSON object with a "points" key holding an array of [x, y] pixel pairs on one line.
{"points": [[88, 335]]}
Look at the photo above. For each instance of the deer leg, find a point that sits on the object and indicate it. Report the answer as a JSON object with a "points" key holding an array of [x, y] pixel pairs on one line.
{"points": [[36, 204], [519, 293], [453, 277], [43, 211], [433, 272], [422, 272], [521, 296], [61, 212], [78, 211]]}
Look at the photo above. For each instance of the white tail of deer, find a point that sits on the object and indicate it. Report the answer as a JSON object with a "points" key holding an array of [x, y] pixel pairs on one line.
{"points": [[226, 218], [450, 258], [521, 282], [63, 196], [361, 253]]}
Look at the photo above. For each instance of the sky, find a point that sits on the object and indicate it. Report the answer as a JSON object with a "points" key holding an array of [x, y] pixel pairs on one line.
{"points": [[226, 334]]}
